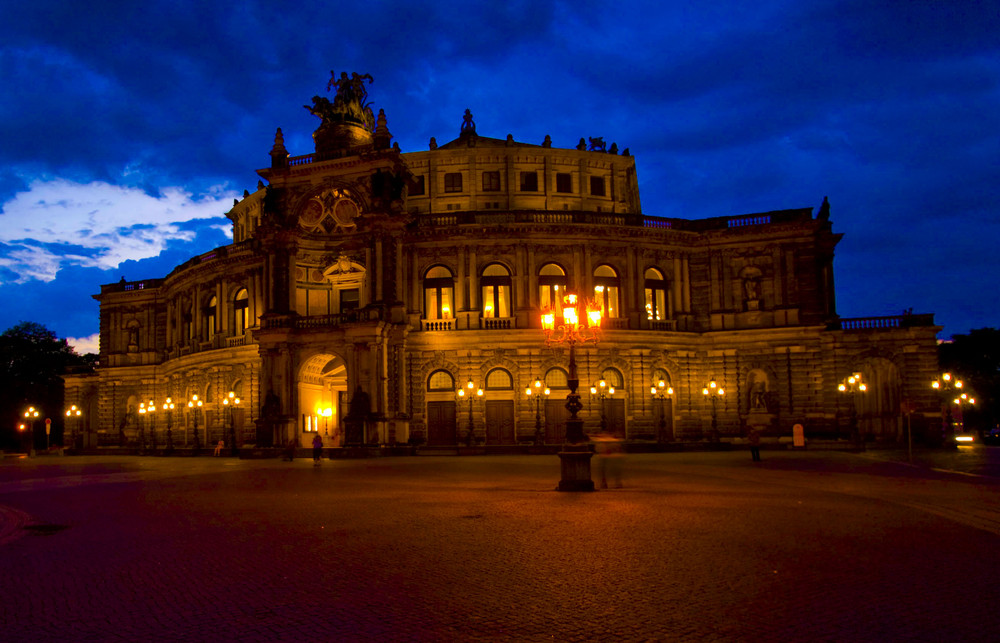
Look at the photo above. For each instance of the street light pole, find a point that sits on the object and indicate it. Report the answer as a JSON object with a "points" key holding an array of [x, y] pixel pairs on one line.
{"points": [[232, 401], [852, 385], [168, 406], [470, 436], [142, 432], [948, 387], [73, 413], [599, 390], [538, 407], [713, 391], [31, 415], [194, 404], [660, 391], [151, 410], [577, 323]]}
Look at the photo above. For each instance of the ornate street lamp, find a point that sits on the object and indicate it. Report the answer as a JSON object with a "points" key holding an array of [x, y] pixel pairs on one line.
{"points": [[538, 392], [151, 410], [574, 323], [603, 391], [31, 415], [168, 406], [470, 436], [232, 401], [660, 391], [851, 385], [949, 388], [961, 401], [142, 432], [73, 413], [713, 392], [194, 404]]}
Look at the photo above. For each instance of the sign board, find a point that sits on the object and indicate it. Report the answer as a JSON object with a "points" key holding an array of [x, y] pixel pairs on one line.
{"points": [[798, 436], [48, 426]]}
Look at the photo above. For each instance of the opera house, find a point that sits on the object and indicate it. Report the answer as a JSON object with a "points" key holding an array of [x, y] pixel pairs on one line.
{"points": [[380, 297]]}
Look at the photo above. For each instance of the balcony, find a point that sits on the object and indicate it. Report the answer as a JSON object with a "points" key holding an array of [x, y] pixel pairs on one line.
{"points": [[882, 323], [496, 323], [437, 324]]}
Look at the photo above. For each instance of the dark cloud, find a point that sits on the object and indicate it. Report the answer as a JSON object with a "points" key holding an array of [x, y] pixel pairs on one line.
{"points": [[888, 107]]}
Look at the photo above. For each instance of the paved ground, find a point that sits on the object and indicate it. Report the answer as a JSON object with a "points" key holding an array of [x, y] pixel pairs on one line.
{"points": [[701, 546]]}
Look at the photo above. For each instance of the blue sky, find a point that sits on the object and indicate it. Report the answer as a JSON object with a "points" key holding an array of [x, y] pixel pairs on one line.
{"points": [[126, 129]]}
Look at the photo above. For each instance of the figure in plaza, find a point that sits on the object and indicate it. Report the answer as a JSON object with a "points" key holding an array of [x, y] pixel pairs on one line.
{"points": [[317, 449], [753, 438]]}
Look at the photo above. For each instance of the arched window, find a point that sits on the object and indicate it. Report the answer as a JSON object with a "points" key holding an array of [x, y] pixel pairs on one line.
{"points": [[613, 377], [495, 283], [551, 286], [241, 307], [656, 295], [556, 378], [439, 293], [499, 379], [441, 381], [209, 312], [606, 287]]}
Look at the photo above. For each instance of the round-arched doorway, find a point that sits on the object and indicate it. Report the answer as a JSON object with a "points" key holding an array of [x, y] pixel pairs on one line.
{"points": [[322, 393]]}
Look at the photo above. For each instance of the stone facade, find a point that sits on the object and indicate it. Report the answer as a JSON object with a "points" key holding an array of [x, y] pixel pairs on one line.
{"points": [[365, 287]]}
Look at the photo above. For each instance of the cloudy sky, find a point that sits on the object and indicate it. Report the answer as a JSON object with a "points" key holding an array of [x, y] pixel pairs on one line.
{"points": [[127, 128]]}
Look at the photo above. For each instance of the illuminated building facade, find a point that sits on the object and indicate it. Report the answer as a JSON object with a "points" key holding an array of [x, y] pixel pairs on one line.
{"points": [[395, 280]]}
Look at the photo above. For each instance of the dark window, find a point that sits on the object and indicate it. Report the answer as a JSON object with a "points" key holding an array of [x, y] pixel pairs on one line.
{"points": [[564, 183], [453, 182], [417, 187], [597, 185], [529, 182], [349, 299], [491, 181]]}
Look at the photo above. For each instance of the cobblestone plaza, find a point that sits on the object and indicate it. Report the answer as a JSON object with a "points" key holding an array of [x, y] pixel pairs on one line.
{"points": [[804, 546]]}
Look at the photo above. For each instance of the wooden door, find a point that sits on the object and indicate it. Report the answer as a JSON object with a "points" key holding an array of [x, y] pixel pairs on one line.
{"points": [[499, 422], [555, 420], [441, 428], [616, 417]]}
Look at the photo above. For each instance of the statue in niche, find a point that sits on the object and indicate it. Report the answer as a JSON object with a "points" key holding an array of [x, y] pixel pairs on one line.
{"points": [[758, 393], [751, 288]]}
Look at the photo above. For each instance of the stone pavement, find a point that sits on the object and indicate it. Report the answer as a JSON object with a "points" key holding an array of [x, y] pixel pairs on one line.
{"points": [[699, 546]]}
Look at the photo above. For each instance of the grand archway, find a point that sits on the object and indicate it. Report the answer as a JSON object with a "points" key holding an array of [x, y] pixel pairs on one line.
{"points": [[322, 395]]}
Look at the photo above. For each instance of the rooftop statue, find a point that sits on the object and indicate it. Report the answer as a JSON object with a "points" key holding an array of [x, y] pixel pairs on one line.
{"points": [[349, 104]]}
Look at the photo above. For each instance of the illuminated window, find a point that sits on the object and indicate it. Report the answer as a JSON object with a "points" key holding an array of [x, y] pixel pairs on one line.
{"points": [[499, 379], [241, 306], [495, 283], [529, 181], [597, 185], [491, 181], [606, 287], [564, 183], [209, 313], [453, 182], [440, 381], [551, 286], [656, 295], [439, 293]]}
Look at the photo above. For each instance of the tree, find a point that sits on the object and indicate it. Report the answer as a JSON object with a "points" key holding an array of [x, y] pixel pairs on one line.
{"points": [[975, 359], [32, 359]]}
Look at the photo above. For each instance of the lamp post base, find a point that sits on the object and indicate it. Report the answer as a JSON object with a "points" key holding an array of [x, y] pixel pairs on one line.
{"points": [[575, 464]]}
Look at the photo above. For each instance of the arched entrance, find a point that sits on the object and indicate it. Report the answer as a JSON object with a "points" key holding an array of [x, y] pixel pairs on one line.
{"points": [[322, 394]]}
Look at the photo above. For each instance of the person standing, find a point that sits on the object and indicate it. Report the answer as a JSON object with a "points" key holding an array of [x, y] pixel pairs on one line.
{"points": [[754, 439], [317, 449]]}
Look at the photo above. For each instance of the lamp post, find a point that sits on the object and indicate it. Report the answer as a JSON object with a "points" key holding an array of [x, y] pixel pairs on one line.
{"points": [[168, 406], [574, 323], [538, 392], [73, 413], [713, 392], [852, 385], [960, 402], [470, 436], [31, 415], [660, 391], [949, 387], [232, 401], [194, 404], [151, 410], [603, 391], [142, 432]]}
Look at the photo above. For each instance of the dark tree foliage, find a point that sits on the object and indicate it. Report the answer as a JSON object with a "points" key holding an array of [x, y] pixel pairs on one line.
{"points": [[32, 359], [975, 358]]}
